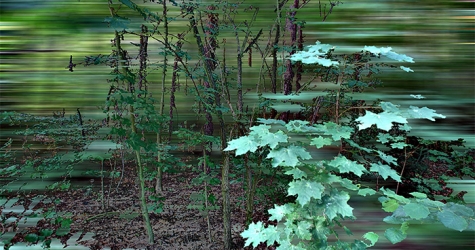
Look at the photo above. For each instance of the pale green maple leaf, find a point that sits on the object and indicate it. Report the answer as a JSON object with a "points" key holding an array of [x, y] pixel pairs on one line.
{"points": [[242, 145], [385, 171], [417, 96], [259, 130], [423, 113], [288, 156], [336, 204], [273, 139], [319, 142], [389, 53], [271, 234], [337, 131], [382, 120], [303, 231], [390, 107], [279, 212], [254, 234], [406, 69], [383, 138], [296, 173], [315, 54], [347, 166], [399, 145], [305, 190], [387, 158]]}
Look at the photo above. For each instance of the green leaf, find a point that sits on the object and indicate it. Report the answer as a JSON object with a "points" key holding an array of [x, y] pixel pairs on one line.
{"points": [[46, 232], [387, 158], [430, 203], [366, 191], [347, 166], [399, 145], [471, 225], [320, 142], [423, 113], [279, 212], [315, 54], [372, 237], [417, 96], [254, 234], [388, 53], [243, 145], [390, 107], [394, 220], [336, 204], [416, 211], [355, 145], [406, 69], [389, 193], [271, 234], [382, 120], [336, 131], [394, 235], [288, 156], [452, 221], [296, 173], [271, 121], [385, 171], [346, 183], [459, 209], [418, 195], [303, 230], [259, 130], [297, 126], [404, 227], [305, 190], [272, 139], [31, 238], [390, 205]]}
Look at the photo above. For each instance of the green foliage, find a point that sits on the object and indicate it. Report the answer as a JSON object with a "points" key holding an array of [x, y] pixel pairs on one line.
{"points": [[315, 54], [318, 198], [320, 205]]}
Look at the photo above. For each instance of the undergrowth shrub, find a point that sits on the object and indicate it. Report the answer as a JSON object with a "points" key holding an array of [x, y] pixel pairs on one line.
{"points": [[322, 187]]}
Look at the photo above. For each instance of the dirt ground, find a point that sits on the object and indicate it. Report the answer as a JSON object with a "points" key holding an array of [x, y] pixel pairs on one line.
{"points": [[120, 225]]}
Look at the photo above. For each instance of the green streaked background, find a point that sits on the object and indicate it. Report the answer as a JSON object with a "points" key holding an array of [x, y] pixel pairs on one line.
{"points": [[38, 37]]}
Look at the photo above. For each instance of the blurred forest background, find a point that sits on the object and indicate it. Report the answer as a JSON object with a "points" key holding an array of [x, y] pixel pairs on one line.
{"points": [[38, 38]]}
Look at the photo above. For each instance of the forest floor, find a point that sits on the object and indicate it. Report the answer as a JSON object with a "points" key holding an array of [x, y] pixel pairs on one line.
{"points": [[120, 224]]}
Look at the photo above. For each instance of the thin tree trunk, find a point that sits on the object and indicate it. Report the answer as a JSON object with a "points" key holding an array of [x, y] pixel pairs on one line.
{"points": [[226, 205], [123, 70], [159, 184]]}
